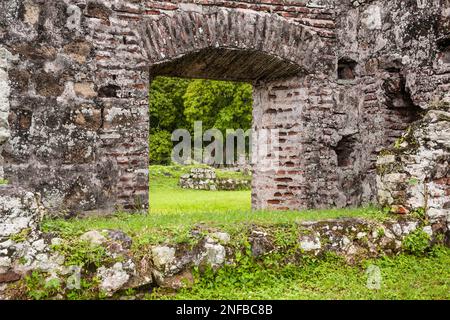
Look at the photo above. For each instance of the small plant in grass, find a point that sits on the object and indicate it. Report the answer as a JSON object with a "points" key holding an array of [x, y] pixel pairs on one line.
{"points": [[3, 182], [83, 254], [64, 228], [285, 237], [88, 290], [23, 261], [381, 232], [417, 242], [38, 288]]}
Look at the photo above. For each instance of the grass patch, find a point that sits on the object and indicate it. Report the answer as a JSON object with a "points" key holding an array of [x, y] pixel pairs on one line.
{"points": [[176, 225], [402, 277], [167, 197], [175, 211]]}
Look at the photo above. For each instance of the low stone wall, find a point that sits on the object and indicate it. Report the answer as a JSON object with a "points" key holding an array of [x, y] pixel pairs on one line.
{"points": [[206, 179], [171, 265], [414, 175]]}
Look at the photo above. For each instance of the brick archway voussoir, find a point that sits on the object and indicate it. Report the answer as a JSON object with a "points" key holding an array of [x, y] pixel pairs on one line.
{"points": [[174, 36]]}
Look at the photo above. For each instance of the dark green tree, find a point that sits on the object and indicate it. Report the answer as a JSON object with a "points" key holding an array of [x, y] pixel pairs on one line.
{"points": [[219, 104], [160, 147], [177, 103], [166, 103]]}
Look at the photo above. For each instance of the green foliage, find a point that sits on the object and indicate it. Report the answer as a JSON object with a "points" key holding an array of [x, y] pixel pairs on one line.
{"points": [[38, 288], [226, 174], [328, 277], [160, 147], [398, 143], [166, 115], [23, 260], [419, 213], [417, 242], [88, 290], [167, 104], [407, 142], [178, 103], [83, 254], [172, 171], [3, 182], [219, 104], [286, 237], [62, 227], [76, 253]]}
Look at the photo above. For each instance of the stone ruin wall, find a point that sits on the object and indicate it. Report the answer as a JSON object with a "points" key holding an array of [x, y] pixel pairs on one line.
{"points": [[414, 174], [207, 179], [341, 80]]}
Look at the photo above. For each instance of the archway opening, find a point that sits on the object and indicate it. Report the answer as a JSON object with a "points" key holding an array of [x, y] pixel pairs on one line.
{"points": [[199, 145], [220, 90]]}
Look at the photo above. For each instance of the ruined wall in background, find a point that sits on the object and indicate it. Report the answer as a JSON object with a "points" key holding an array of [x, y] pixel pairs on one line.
{"points": [[414, 174], [341, 80]]}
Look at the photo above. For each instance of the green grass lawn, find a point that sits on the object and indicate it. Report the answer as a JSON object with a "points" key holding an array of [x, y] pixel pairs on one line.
{"points": [[175, 225], [167, 197], [170, 203], [403, 277], [174, 212]]}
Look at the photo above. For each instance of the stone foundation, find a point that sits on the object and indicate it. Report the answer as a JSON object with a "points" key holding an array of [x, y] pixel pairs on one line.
{"points": [[171, 265], [206, 179]]}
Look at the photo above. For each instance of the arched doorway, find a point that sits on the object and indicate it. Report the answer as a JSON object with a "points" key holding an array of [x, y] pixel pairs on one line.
{"points": [[272, 54]]}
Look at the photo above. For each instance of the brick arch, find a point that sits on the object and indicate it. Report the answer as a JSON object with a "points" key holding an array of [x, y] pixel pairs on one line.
{"points": [[246, 46], [251, 36]]}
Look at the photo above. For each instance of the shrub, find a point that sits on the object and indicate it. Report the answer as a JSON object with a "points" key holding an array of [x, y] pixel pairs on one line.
{"points": [[417, 242], [160, 147]]}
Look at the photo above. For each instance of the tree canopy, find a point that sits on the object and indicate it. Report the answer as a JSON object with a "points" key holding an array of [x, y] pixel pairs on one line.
{"points": [[177, 103]]}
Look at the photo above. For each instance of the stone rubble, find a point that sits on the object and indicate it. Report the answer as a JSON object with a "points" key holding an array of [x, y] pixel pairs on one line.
{"points": [[171, 266], [206, 179]]}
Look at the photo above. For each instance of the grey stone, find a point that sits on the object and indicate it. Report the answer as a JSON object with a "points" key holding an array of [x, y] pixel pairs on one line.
{"points": [[163, 257], [112, 279], [310, 244], [120, 237], [215, 254], [94, 237], [222, 237]]}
